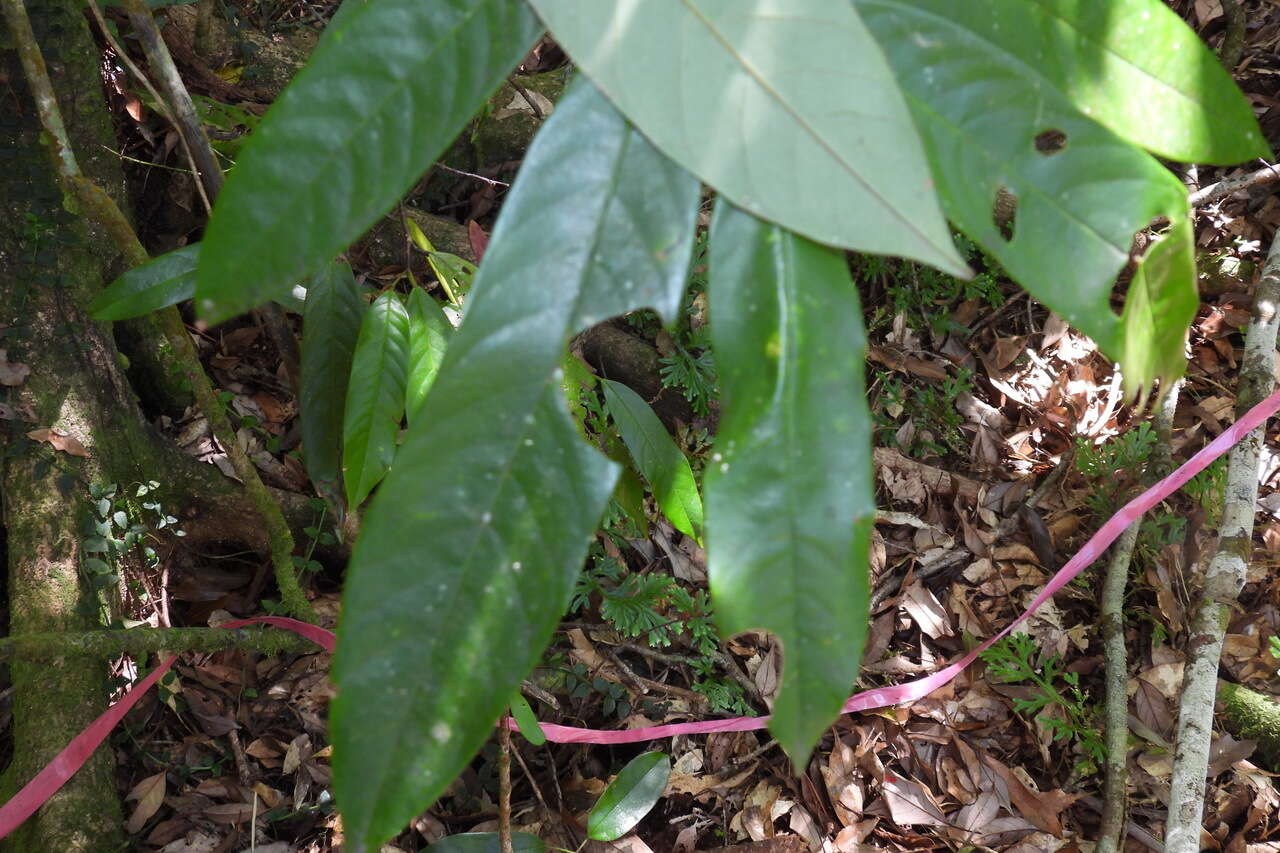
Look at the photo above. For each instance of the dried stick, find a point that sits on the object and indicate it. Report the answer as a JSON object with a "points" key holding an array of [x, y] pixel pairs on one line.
{"points": [[1221, 189], [1224, 578], [504, 789], [94, 202], [1116, 704]]}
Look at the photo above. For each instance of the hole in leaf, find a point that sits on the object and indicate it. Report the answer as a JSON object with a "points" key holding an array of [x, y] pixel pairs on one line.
{"points": [[1004, 211], [1051, 141]]}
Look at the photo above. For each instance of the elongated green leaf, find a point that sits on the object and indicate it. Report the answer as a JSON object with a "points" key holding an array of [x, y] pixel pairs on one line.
{"points": [[786, 108], [164, 281], [663, 464], [375, 396], [470, 550], [429, 333], [788, 490], [487, 842], [390, 84], [1131, 65], [629, 797], [527, 722], [330, 326], [981, 110]]}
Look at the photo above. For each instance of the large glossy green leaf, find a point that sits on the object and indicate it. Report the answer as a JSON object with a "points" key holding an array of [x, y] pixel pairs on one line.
{"points": [[487, 842], [788, 489], [330, 326], [981, 110], [629, 797], [663, 464], [375, 396], [787, 108], [389, 86], [470, 549], [1131, 65], [429, 333], [164, 281]]}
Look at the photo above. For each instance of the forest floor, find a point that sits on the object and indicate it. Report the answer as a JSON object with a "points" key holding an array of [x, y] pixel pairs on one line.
{"points": [[981, 398]]}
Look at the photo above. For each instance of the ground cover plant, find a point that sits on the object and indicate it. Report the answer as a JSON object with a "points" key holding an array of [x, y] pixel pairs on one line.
{"points": [[1029, 126]]}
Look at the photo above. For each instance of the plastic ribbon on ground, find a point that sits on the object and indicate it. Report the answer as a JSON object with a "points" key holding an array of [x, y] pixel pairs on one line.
{"points": [[67, 762]]}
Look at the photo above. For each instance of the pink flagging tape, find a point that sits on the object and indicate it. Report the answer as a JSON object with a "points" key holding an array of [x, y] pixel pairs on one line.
{"points": [[67, 762]]}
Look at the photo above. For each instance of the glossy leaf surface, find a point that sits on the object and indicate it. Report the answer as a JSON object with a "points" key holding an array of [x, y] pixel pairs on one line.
{"points": [[663, 464], [330, 327], [375, 396], [1131, 65], [629, 797], [389, 86], [775, 103], [469, 552], [789, 487], [164, 281], [991, 123], [487, 842], [429, 333], [525, 719]]}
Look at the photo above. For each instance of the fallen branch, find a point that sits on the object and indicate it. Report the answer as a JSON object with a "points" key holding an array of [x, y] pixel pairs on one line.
{"points": [[1224, 577], [138, 642], [1222, 189]]}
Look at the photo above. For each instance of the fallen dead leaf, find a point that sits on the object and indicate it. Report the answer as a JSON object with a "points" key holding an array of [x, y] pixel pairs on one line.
{"points": [[59, 441], [12, 372], [150, 796]]}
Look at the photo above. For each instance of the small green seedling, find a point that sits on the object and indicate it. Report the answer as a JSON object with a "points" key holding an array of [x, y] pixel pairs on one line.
{"points": [[626, 800], [629, 797]]}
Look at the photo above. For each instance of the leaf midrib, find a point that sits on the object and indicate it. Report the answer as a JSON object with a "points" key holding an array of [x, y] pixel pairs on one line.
{"points": [[755, 75]]}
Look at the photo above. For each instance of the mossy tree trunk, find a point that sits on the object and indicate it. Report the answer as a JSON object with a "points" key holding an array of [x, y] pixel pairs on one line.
{"points": [[52, 263]]}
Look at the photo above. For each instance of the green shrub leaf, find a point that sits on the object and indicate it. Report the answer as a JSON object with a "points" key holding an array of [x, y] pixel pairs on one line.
{"points": [[469, 552], [629, 797], [775, 109], [429, 333], [663, 464], [390, 85], [375, 396], [330, 326], [164, 281], [1131, 65], [487, 842], [789, 489], [991, 123]]}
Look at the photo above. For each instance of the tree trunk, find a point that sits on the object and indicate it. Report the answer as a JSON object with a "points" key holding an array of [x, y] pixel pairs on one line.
{"points": [[52, 264]]}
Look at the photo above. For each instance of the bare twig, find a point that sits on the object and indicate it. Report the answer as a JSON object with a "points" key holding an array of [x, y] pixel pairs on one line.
{"points": [[1111, 616], [1224, 577], [490, 181], [1221, 189], [504, 789]]}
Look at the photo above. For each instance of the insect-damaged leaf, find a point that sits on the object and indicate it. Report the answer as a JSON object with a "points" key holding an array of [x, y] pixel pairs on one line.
{"points": [[390, 85], [734, 89], [470, 549], [993, 123], [788, 489]]}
